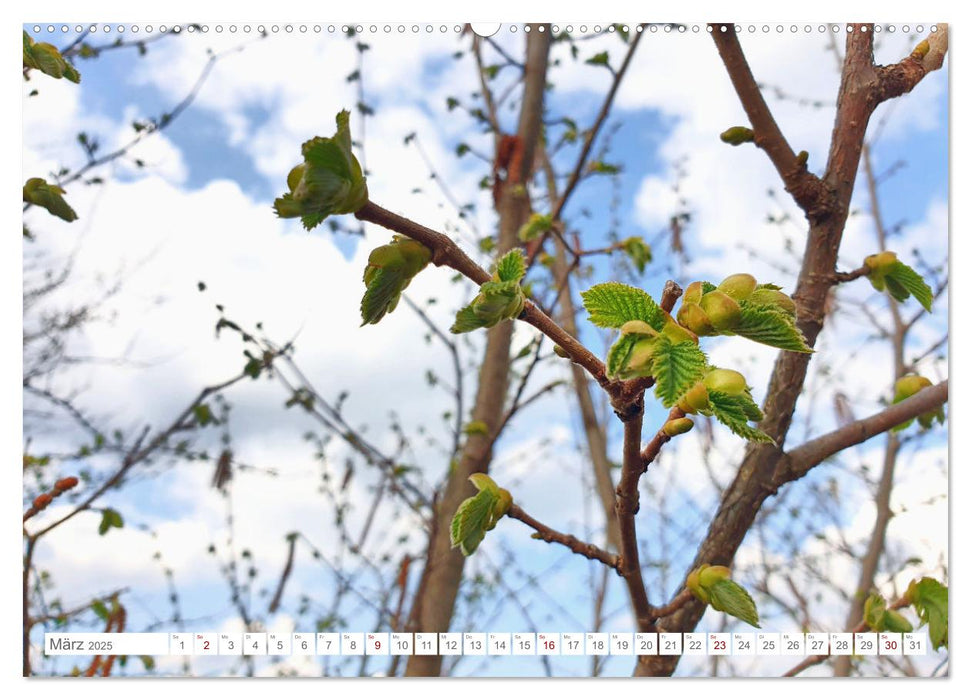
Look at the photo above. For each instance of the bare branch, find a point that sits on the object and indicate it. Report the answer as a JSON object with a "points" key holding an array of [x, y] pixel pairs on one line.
{"points": [[548, 534]]}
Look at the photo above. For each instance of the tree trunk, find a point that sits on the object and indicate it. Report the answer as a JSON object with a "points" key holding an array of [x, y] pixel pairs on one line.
{"points": [[435, 601]]}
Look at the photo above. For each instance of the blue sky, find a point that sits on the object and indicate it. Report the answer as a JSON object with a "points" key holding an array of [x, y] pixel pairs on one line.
{"points": [[201, 210]]}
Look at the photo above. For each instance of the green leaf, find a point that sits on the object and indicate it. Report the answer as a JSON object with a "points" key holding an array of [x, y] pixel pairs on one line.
{"points": [[203, 415], [38, 191], [600, 59], [471, 521], [465, 321], [770, 326], [731, 599], [511, 267], [48, 60], [110, 518], [329, 181], [613, 304], [537, 225], [601, 168], [99, 609], [735, 411], [638, 251], [676, 368], [929, 598], [903, 281]]}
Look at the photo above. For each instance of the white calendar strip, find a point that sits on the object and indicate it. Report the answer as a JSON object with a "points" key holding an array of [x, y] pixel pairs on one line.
{"points": [[486, 644]]}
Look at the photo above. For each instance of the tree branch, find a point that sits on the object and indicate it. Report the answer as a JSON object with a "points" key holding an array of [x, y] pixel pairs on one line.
{"points": [[806, 189], [799, 461], [548, 534]]}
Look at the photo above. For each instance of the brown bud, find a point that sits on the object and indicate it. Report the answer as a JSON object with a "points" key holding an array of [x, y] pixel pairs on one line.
{"points": [[42, 501], [68, 482]]}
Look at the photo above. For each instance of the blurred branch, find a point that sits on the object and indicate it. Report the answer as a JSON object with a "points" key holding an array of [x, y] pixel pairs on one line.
{"points": [[548, 534]]}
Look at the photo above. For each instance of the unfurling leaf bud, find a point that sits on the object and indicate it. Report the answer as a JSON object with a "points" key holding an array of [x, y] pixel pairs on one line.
{"points": [[726, 380], [693, 584], [329, 181], [879, 265], [773, 297], [693, 293], [908, 386], [710, 575], [737, 135], [677, 333], [638, 328], [389, 271], [694, 318], [678, 426], [895, 622], [695, 399], [503, 504], [738, 286], [484, 482], [723, 312], [640, 359]]}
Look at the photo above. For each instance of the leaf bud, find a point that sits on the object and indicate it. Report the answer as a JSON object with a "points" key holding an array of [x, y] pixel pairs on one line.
{"points": [[695, 399], [737, 135], [678, 426], [723, 311], [640, 359], [560, 352], [638, 328], [710, 575], [678, 333], [726, 380], [693, 293], [738, 286], [773, 297], [694, 318]]}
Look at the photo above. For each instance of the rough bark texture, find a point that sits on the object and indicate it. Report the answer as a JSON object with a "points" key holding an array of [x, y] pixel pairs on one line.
{"points": [[435, 602]]}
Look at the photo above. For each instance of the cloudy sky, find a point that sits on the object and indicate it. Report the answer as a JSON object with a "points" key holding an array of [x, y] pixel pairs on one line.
{"points": [[193, 204]]}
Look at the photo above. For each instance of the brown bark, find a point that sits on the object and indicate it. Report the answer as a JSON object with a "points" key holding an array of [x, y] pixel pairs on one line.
{"points": [[442, 575]]}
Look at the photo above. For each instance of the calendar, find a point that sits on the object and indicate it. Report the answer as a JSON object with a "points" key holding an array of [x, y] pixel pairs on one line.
{"points": [[366, 345]]}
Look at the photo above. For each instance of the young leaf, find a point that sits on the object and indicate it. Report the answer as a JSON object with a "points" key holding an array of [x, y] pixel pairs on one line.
{"points": [[110, 518], [613, 304], [731, 599], [734, 411], [929, 598], [38, 191], [770, 326], [676, 368], [638, 251], [472, 519], [600, 59], [99, 609], [511, 267], [48, 60], [537, 225], [465, 321], [389, 271], [903, 281]]}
